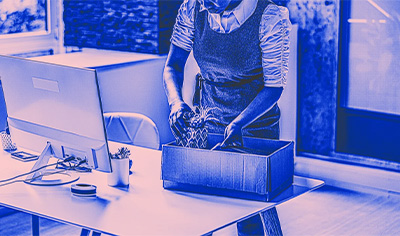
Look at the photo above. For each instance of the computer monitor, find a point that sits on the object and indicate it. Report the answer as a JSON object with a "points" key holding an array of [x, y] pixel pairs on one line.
{"points": [[57, 106]]}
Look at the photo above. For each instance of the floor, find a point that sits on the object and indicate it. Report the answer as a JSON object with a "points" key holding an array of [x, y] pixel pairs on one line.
{"points": [[326, 211], [334, 211], [19, 223]]}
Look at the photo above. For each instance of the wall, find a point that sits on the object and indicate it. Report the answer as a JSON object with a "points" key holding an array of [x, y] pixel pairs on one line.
{"points": [[145, 26], [135, 25], [317, 73]]}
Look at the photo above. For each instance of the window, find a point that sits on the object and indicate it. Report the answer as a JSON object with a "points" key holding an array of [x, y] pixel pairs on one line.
{"points": [[30, 26], [22, 18], [369, 82]]}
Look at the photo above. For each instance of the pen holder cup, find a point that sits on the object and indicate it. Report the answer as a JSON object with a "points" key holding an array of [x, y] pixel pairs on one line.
{"points": [[6, 141], [120, 173]]}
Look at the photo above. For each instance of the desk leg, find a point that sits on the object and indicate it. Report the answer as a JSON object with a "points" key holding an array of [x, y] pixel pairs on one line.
{"points": [[272, 225], [85, 232], [35, 225]]}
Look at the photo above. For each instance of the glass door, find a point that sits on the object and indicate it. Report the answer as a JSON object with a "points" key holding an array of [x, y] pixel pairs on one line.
{"points": [[368, 119]]}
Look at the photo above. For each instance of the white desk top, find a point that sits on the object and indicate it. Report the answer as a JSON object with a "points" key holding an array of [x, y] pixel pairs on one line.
{"points": [[93, 58], [143, 209]]}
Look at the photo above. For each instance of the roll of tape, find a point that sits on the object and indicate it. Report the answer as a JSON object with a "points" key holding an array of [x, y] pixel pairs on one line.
{"points": [[83, 190]]}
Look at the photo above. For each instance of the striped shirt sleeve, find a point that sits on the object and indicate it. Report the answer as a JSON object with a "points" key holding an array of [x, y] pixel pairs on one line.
{"points": [[275, 27], [183, 31]]}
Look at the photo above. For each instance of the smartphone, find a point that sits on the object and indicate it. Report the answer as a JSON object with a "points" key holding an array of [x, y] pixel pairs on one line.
{"points": [[24, 156]]}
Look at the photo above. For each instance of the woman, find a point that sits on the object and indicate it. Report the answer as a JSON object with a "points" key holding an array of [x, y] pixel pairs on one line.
{"points": [[242, 49]]}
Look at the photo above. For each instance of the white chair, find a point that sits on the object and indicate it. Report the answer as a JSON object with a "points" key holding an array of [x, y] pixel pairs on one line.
{"points": [[132, 128]]}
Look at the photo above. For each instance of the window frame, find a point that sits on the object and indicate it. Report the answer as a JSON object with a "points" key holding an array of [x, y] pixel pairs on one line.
{"points": [[51, 40], [370, 134]]}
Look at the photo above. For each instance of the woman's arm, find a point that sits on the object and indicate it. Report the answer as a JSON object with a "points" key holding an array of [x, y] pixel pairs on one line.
{"points": [[173, 73], [173, 81], [181, 44], [274, 43]]}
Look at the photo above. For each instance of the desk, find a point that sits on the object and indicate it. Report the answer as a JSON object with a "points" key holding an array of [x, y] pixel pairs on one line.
{"points": [[145, 208]]}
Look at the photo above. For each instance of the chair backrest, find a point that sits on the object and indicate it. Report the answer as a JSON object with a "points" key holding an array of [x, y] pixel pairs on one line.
{"points": [[132, 128]]}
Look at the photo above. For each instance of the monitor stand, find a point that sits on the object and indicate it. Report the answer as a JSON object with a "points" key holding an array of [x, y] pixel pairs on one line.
{"points": [[36, 178]]}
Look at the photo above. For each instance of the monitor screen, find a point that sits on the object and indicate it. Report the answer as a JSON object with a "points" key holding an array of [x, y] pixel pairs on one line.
{"points": [[56, 104]]}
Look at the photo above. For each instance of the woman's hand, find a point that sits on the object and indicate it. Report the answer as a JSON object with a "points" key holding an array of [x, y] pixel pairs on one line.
{"points": [[179, 117], [232, 136], [261, 104]]}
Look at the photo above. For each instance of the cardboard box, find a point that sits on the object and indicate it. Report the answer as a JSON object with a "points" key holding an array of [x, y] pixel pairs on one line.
{"points": [[259, 171]]}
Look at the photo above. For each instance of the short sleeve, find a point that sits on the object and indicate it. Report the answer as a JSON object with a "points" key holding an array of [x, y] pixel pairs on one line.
{"points": [[275, 27], [183, 31]]}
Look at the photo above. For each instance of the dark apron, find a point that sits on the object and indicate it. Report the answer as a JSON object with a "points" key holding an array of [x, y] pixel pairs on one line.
{"points": [[232, 73], [211, 94]]}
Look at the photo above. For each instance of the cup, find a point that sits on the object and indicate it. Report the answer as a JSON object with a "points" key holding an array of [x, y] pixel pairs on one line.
{"points": [[119, 177], [6, 141]]}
